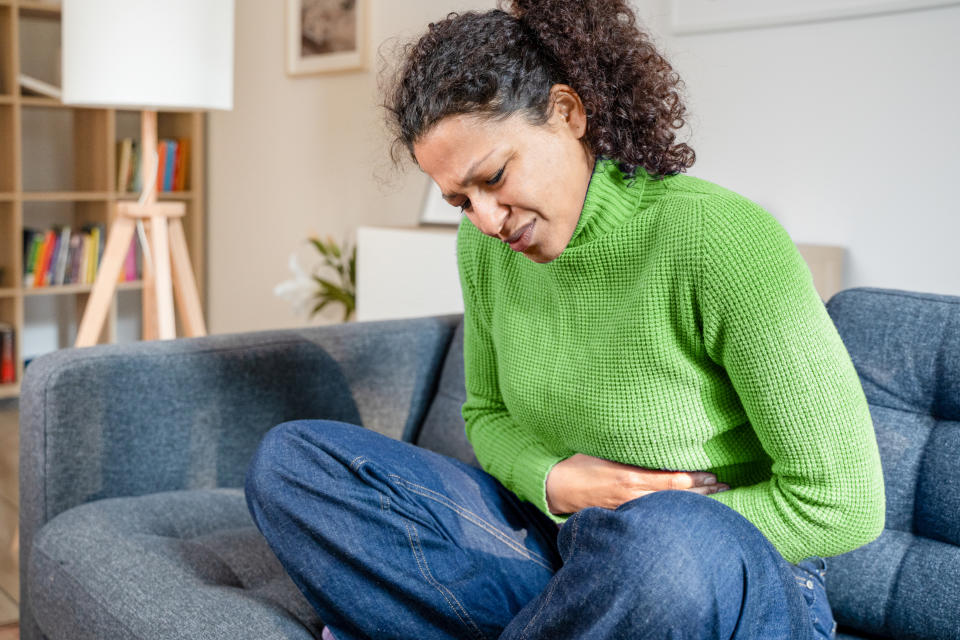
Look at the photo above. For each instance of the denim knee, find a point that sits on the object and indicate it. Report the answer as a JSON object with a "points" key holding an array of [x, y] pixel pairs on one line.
{"points": [[275, 461]]}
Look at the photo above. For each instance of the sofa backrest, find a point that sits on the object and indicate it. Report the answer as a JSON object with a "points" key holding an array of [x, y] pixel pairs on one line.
{"points": [[905, 347], [443, 428]]}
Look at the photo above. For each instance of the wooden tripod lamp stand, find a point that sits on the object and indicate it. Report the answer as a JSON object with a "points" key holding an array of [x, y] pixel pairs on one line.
{"points": [[172, 55]]}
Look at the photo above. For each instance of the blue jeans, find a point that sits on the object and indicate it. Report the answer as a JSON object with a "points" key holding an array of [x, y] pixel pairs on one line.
{"points": [[389, 540]]}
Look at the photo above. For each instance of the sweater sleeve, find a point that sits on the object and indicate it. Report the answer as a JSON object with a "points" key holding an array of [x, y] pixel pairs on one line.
{"points": [[764, 322], [505, 450]]}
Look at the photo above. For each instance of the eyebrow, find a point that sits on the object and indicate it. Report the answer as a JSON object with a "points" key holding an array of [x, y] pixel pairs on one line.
{"points": [[470, 173]]}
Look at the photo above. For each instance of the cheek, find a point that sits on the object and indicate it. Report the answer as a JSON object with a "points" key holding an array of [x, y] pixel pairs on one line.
{"points": [[531, 192]]}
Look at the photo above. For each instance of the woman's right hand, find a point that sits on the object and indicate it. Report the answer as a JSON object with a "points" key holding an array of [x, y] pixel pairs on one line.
{"points": [[583, 481]]}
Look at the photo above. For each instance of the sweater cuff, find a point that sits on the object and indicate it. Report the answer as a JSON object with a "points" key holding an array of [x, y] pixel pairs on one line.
{"points": [[530, 477]]}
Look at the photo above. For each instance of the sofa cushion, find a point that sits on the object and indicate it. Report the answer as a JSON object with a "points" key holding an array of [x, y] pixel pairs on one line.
{"points": [[177, 564], [905, 347]]}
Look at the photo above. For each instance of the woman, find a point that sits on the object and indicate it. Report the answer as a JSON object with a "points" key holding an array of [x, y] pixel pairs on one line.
{"points": [[636, 342]]}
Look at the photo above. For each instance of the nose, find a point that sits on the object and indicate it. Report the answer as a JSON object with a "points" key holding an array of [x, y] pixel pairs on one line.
{"points": [[491, 215]]}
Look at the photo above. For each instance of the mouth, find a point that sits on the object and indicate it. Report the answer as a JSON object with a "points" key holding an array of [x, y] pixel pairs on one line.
{"points": [[520, 240]]}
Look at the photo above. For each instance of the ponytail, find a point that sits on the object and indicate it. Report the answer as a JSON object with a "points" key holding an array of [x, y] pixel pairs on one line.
{"points": [[504, 61]]}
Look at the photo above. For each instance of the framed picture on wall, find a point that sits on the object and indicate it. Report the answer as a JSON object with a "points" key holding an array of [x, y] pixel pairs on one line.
{"points": [[326, 35], [436, 210]]}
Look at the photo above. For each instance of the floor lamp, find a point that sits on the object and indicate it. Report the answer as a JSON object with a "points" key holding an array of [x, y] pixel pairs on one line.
{"points": [[172, 55]]}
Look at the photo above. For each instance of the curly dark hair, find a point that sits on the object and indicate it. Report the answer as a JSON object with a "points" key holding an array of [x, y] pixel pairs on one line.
{"points": [[503, 61]]}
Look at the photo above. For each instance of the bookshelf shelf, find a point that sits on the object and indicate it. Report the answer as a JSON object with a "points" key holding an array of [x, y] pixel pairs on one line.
{"points": [[40, 101], [65, 196], [59, 166], [161, 195], [61, 289], [10, 390], [39, 9]]}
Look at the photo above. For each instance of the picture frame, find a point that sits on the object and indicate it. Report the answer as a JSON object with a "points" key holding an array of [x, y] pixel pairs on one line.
{"points": [[326, 36], [689, 17], [436, 210]]}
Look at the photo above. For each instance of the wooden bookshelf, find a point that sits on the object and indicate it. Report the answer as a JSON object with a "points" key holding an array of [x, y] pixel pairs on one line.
{"points": [[38, 132]]}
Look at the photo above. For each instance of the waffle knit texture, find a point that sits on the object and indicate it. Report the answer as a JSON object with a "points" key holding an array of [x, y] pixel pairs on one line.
{"points": [[679, 330]]}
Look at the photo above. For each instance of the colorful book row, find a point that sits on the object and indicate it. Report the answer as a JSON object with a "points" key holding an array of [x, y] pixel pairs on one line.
{"points": [[173, 161], [61, 256]]}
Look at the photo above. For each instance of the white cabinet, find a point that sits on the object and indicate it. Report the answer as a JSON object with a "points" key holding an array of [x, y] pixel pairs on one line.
{"points": [[407, 272]]}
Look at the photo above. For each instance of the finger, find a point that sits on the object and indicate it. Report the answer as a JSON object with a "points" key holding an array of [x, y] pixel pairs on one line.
{"points": [[688, 480], [709, 489]]}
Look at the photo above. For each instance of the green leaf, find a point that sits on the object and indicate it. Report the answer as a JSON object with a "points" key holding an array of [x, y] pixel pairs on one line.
{"points": [[320, 305], [322, 248], [342, 296], [326, 283], [352, 270]]}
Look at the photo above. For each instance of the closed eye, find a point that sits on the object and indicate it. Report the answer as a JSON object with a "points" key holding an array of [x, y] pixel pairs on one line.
{"points": [[492, 181], [495, 179]]}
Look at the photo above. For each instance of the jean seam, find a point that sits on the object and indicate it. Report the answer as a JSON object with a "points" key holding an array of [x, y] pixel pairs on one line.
{"points": [[458, 609], [814, 619], [357, 462], [554, 581], [477, 520]]}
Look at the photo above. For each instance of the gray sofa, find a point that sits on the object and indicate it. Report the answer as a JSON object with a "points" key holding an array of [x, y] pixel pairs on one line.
{"points": [[133, 522]]}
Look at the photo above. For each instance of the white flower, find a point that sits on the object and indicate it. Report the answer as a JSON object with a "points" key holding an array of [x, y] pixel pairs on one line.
{"points": [[299, 291]]}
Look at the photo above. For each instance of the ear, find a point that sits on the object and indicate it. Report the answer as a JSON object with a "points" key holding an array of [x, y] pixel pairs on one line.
{"points": [[568, 110]]}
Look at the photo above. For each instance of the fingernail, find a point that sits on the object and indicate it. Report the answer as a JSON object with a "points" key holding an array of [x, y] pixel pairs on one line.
{"points": [[723, 489], [710, 480]]}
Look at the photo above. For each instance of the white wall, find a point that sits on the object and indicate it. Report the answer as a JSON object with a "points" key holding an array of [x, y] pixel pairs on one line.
{"points": [[298, 155], [845, 131]]}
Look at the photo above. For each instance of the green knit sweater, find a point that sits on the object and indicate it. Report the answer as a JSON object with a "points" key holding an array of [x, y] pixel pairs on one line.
{"points": [[679, 330]]}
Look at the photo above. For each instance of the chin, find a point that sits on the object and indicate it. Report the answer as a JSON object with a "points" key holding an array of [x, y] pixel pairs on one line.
{"points": [[542, 259]]}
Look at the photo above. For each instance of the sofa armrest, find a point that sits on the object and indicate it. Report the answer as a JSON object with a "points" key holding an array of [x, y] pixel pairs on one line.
{"points": [[130, 419]]}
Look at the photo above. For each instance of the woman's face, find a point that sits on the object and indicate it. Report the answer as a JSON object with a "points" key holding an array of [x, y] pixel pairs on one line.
{"points": [[509, 174]]}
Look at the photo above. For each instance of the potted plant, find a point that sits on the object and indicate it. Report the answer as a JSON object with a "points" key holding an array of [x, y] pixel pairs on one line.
{"points": [[311, 292]]}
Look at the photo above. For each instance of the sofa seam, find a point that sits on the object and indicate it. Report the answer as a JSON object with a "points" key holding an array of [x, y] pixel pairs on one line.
{"points": [[888, 606], [285, 341], [894, 294], [911, 412]]}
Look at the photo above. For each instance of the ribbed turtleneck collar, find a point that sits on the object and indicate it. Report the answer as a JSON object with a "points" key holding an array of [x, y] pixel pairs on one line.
{"points": [[611, 200]]}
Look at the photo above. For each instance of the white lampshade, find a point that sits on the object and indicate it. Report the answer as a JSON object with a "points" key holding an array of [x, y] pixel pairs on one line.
{"points": [[148, 54]]}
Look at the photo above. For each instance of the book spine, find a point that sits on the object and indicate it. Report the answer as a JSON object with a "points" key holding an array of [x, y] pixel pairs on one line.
{"points": [[84, 257], [94, 247], [30, 243], [136, 180], [101, 241], [161, 164], [178, 167], [123, 171], [76, 245], [62, 255], [185, 174], [39, 274], [7, 361], [171, 165], [51, 275]]}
